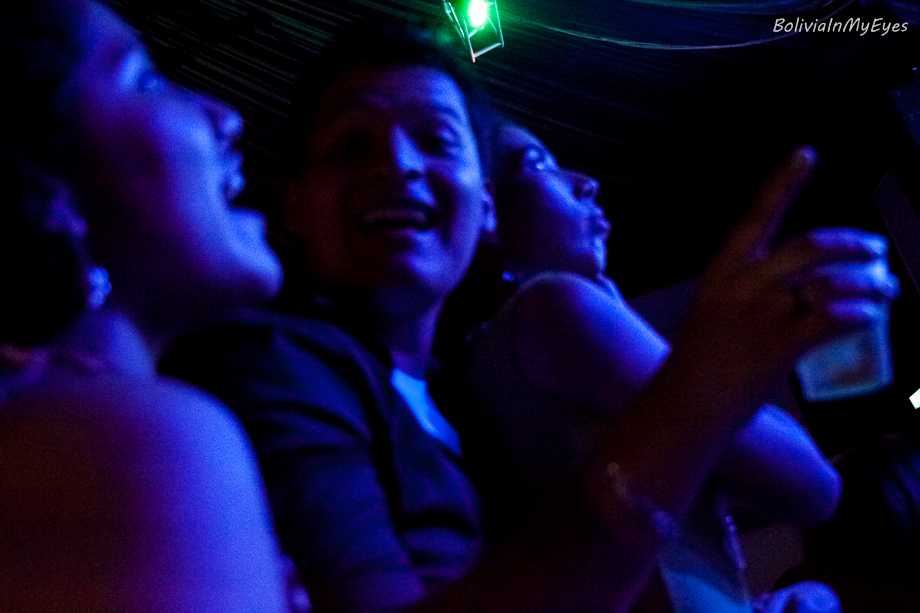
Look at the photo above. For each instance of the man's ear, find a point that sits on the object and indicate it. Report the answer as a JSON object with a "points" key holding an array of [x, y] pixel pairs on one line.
{"points": [[488, 219]]}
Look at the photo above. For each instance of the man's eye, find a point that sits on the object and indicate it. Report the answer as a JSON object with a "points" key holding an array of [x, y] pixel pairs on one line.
{"points": [[439, 141]]}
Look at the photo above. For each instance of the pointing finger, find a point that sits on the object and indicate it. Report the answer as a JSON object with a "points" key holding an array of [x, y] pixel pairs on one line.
{"points": [[755, 231]]}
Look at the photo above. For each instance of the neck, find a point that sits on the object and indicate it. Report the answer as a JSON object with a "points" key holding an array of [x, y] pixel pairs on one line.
{"points": [[113, 339], [408, 335], [405, 324]]}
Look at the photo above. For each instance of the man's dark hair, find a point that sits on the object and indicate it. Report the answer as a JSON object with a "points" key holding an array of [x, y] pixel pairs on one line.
{"points": [[381, 43]]}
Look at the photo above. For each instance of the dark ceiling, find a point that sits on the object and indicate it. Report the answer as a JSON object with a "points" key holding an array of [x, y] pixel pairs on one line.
{"points": [[679, 138]]}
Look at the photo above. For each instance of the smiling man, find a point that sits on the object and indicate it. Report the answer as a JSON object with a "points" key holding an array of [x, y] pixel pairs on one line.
{"points": [[387, 194], [391, 201]]}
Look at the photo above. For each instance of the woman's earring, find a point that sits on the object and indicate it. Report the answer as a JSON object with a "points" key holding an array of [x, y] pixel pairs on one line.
{"points": [[99, 287]]}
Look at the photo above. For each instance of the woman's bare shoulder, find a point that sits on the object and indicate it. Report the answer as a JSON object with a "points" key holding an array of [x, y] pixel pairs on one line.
{"points": [[583, 340], [125, 433], [98, 469], [128, 432], [113, 402], [559, 287]]}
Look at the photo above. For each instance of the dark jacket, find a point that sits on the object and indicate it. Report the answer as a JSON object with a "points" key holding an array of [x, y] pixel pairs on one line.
{"points": [[374, 511]]}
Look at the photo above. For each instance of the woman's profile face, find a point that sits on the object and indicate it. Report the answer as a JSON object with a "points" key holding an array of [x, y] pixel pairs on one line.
{"points": [[157, 174], [393, 200], [547, 216]]}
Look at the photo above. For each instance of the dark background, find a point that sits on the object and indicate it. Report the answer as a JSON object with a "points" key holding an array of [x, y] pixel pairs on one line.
{"points": [[679, 138]]}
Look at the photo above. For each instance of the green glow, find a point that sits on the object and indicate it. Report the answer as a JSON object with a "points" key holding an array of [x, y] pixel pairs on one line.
{"points": [[478, 11]]}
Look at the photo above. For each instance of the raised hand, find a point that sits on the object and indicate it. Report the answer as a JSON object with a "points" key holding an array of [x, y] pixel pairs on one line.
{"points": [[758, 310]]}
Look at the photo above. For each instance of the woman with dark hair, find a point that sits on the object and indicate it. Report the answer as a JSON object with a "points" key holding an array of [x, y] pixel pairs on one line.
{"points": [[566, 355], [121, 491], [365, 476]]}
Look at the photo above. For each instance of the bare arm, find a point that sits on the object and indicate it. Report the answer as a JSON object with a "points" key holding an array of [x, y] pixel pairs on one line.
{"points": [[774, 470], [584, 343], [747, 328]]}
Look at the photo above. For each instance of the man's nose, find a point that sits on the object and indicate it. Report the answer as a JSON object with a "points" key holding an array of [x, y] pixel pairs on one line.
{"points": [[404, 158]]}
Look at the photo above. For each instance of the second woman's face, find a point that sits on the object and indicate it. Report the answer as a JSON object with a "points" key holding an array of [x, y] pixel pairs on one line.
{"points": [[158, 171], [547, 216]]}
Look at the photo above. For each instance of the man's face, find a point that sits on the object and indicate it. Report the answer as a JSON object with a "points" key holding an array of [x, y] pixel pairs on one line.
{"points": [[392, 201]]}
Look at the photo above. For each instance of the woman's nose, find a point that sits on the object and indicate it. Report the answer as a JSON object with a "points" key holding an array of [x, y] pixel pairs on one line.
{"points": [[584, 187], [227, 122]]}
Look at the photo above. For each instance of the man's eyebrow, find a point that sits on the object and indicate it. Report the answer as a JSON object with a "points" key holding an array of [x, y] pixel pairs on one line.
{"points": [[445, 109]]}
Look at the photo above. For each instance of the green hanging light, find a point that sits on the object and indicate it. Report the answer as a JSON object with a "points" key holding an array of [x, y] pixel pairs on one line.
{"points": [[478, 12], [477, 23]]}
